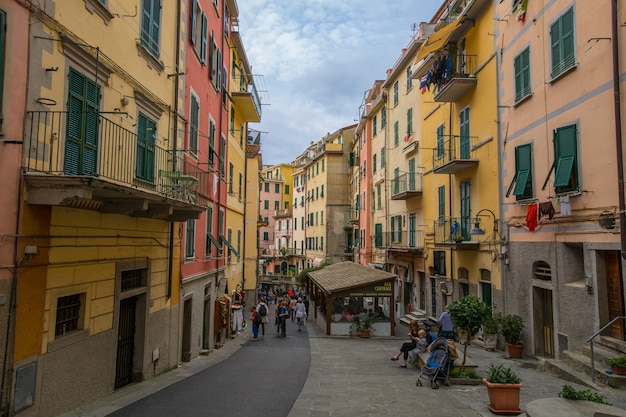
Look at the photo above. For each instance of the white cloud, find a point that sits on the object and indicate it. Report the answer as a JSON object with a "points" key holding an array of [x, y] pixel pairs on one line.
{"points": [[317, 58]]}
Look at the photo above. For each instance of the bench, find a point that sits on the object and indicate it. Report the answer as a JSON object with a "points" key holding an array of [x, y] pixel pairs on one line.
{"points": [[420, 358]]}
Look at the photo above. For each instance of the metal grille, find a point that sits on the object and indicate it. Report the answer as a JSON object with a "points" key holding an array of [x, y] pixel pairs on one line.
{"points": [[133, 279], [68, 314]]}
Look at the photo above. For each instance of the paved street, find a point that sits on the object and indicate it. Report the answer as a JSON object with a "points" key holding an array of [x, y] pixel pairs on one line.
{"points": [[346, 377]]}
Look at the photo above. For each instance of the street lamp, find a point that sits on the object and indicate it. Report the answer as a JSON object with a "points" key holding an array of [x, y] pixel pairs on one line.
{"points": [[477, 230]]}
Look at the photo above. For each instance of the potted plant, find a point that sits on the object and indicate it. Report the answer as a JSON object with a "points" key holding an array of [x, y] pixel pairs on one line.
{"points": [[491, 329], [618, 365], [468, 314], [503, 388], [512, 330], [363, 325]]}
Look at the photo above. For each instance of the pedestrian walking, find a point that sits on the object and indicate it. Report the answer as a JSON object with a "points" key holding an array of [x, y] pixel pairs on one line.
{"points": [[283, 314], [292, 309], [254, 318], [446, 327], [300, 313], [262, 309]]}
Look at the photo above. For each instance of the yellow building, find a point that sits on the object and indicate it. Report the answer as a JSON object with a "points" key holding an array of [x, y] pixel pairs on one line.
{"points": [[456, 67], [98, 289], [327, 222]]}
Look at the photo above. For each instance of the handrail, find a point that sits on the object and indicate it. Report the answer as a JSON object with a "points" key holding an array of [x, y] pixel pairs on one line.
{"points": [[593, 336]]}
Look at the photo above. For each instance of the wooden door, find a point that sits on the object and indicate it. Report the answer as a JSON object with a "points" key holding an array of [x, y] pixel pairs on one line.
{"points": [[125, 342]]}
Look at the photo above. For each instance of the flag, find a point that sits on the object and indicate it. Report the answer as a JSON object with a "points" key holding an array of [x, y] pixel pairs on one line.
{"points": [[423, 83], [520, 10]]}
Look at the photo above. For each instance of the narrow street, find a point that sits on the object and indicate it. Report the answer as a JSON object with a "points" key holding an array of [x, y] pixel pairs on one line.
{"points": [[264, 377]]}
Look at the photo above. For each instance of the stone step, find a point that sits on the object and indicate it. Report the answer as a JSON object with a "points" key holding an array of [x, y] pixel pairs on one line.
{"points": [[613, 343], [601, 355], [582, 363]]}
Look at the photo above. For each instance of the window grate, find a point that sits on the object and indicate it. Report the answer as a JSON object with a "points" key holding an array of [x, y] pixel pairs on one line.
{"points": [[132, 279], [68, 314]]}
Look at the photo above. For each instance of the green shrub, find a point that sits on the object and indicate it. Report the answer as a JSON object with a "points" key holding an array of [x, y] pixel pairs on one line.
{"points": [[500, 374], [570, 393], [619, 361]]}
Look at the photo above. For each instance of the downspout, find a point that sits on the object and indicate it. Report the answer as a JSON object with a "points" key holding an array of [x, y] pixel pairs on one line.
{"points": [[618, 127], [170, 266]]}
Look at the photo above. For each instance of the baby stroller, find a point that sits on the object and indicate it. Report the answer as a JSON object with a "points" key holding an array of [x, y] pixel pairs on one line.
{"points": [[437, 367]]}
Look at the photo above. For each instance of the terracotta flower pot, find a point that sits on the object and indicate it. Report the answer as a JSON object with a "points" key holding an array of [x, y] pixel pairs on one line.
{"points": [[515, 351], [618, 370], [365, 333], [503, 398]]}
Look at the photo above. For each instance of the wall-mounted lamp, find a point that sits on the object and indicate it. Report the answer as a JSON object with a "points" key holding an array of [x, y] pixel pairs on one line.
{"points": [[477, 230]]}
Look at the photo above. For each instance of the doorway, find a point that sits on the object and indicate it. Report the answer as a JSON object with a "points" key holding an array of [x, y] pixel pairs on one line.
{"points": [[544, 322], [126, 342], [615, 299], [186, 342]]}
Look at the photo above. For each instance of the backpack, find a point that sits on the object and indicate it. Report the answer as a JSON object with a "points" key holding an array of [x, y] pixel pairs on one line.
{"points": [[262, 310]]}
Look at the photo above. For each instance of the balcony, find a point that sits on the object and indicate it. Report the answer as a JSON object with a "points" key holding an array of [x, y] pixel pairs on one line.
{"points": [[401, 241], [454, 233], [247, 102], [454, 155], [451, 85], [351, 217], [282, 214], [111, 170], [406, 186]]}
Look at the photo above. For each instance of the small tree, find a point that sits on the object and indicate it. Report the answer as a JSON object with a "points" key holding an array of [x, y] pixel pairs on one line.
{"points": [[469, 314]]}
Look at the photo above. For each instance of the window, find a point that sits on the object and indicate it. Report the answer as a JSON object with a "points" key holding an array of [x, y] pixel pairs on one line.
{"points": [[523, 180], [379, 197], [132, 279], [238, 244], [194, 116], [277, 188], [276, 205], [317, 168], [374, 163], [565, 165], [286, 189], [232, 120], [382, 157], [409, 77], [199, 31], [266, 236], [209, 230], [68, 314], [231, 170], [266, 205], [267, 187], [286, 205], [396, 133], [190, 239], [322, 191], [522, 75], [465, 210], [439, 262], [383, 117], [395, 93], [374, 122], [151, 25], [396, 181], [321, 217], [81, 144], [562, 43], [240, 185], [396, 229], [409, 121], [317, 218], [211, 142], [464, 130], [378, 235], [411, 183], [441, 194], [146, 135], [222, 155], [412, 230], [440, 142], [323, 160]]}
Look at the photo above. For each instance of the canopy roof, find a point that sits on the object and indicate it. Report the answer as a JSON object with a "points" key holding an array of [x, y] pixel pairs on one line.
{"points": [[347, 275]]}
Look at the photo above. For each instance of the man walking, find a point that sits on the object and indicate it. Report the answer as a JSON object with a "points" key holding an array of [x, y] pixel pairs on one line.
{"points": [[262, 310]]}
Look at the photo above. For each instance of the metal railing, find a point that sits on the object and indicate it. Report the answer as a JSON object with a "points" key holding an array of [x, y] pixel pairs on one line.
{"points": [[453, 229], [409, 182], [593, 336], [400, 239], [112, 153], [454, 148]]}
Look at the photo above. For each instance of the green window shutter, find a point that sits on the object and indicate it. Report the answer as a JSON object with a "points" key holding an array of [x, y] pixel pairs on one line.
{"points": [[190, 238], [378, 235], [374, 163], [440, 145], [523, 178], [565, 151], [192, 32], [411, 174], [396, 133], [464, 127], [522, 74], [205, 30], [382, 157], [193, 124], [562, 43], [441, 194], [409, 121]]}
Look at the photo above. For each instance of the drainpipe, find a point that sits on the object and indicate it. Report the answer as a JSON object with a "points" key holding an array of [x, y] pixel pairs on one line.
{"points": [[618, 126]]}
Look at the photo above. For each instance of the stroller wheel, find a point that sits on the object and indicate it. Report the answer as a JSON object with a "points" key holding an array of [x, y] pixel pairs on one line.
{"points": [[434, 385], [447, 383], [418, 383]]}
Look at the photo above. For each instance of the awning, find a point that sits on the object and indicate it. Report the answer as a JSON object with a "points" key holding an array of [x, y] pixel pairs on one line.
{"points": [[214, 241], [437, 40], [231, 247]]}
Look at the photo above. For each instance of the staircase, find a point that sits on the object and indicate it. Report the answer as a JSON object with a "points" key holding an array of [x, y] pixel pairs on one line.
{"points": [[413, 315], [576, 367]]}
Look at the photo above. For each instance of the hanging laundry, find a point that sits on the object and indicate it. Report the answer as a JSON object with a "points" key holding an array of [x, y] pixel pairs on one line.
{"points": [[566, 208], [531, 217], [546, 209]]}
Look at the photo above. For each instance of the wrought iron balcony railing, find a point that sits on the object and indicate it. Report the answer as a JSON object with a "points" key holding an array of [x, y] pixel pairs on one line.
{"points": [[58, 144], [406, 186], [401, 239], [454, 154]]}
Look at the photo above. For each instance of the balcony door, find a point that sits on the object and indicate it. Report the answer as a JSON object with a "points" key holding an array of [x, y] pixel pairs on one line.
{"points": [[81, 142], [464, 126]]}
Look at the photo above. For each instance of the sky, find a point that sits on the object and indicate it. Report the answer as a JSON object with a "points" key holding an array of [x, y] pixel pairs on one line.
{"points": [[313, 60]]}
